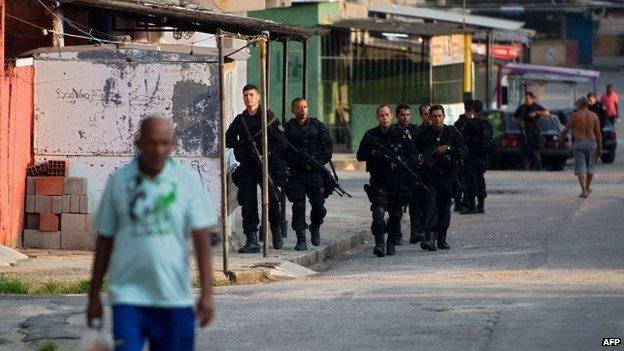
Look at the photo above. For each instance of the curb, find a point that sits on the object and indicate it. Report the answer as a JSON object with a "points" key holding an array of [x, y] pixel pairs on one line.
{"points": [[261, 275], [332, 250]]}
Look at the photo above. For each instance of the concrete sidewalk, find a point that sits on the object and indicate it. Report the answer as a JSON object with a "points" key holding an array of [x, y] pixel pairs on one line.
{"points": [[345, 227]]}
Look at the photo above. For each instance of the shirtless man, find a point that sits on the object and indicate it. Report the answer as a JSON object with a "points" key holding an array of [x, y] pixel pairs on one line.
{"points": [[587, 143]]}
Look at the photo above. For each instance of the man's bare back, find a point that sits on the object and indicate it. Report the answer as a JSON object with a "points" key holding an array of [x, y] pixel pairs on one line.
{"points": [[585, 126]]}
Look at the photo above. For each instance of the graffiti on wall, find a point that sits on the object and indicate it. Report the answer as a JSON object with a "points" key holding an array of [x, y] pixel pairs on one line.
{"points": [[99, 105]]}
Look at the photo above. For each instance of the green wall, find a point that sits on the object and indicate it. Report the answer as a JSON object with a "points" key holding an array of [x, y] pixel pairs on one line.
{"points": [[309, 15]]}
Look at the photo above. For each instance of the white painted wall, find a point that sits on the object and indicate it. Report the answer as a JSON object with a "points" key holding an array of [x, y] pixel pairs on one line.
{"points": [[88, 108]]}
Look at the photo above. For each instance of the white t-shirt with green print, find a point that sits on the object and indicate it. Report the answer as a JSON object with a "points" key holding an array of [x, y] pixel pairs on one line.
{"points": [[149, 220]]}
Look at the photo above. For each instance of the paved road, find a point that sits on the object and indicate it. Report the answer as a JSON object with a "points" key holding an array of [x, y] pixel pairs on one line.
{"points": [[542, 270]]}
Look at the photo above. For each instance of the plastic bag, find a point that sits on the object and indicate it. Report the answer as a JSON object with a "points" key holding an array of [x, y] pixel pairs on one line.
{"points": [[94, 339]]}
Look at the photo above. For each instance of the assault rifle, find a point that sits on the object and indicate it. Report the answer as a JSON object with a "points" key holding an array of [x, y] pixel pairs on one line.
{"points": [[398, 161], [329, 180], [259, 159]]}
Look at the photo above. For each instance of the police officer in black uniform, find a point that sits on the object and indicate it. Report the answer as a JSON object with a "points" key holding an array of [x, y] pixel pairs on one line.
{"points": [[388, 186], [309, 136], [597, 107], [244, 135], [439, 146], [467, 187], [404, 120], [478, 154], [528, 118], [465, 126]]}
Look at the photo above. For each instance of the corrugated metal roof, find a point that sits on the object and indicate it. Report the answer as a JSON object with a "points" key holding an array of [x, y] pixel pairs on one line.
{"points": [[397, 26], [448, 16], [194, 19]]}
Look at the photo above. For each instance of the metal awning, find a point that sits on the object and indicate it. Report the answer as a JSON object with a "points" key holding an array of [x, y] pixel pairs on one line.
{"points": [[522, 35], [448, 16], [511, 68], [397, 26], [188, 19], [181, 50]]}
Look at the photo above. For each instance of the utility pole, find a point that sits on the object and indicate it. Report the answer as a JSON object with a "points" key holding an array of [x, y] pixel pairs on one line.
{"points": [[467, 86]]}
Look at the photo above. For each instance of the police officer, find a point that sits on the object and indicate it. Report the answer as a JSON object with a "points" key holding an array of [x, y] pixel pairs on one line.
{"points": [[439, 146], [467, 187], [309, 136], [388, 185], [244, 135], [404, 120], [597, 107], [420, 201], [478, 153], [528, 118], [465, 126]]}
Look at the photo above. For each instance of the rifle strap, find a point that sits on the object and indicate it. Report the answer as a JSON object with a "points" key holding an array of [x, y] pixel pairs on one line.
{"points": [[249, 137]]}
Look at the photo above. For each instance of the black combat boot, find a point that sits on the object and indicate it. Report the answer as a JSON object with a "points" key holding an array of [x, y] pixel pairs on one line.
{"points": [[390, 247], [301, 241], [251, 246], [481, 205], [278, 242], [470, 206], [379, 248], [442, 244], [416, 237], [398, 239], [315, 236], [458, 206], [428, 244]]}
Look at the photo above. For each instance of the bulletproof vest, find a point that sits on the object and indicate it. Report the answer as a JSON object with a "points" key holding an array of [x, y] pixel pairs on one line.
{"points": [[307, 137], [254, 123], [380, 168], [431, 139]]}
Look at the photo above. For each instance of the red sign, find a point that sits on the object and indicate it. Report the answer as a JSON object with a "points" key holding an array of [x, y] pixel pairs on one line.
{"points": [[503, 52]]}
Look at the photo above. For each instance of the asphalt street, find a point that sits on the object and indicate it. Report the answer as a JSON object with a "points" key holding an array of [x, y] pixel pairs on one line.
{"points": [[542, 270]]}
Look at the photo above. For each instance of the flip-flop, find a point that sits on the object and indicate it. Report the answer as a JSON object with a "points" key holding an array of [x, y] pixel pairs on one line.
{"points": [[583, 195]]}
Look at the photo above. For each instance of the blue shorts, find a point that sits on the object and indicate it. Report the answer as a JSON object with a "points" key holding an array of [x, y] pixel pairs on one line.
{"points": [[167, 329]]}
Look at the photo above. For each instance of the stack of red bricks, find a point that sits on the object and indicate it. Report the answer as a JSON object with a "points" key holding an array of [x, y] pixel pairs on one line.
{"points": [[57, 214]]}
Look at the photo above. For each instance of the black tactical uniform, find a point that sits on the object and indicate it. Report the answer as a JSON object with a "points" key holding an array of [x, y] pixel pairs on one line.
{"points": [[479, 157], [465, 126], [532, 139], [416, 212], [600, 111], [439, 175], [312, 138], [248, 174], [389, 186]]}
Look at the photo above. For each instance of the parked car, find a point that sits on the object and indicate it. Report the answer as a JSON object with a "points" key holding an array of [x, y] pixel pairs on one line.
{"points": [[507, 142], [609, 140]]}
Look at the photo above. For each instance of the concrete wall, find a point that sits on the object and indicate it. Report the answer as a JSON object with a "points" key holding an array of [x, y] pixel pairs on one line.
{"points": [[16, 118], [88, 106]]}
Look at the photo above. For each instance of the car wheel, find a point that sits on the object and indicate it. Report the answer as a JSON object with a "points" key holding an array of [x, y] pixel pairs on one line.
{"points": [[608, 158]]}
